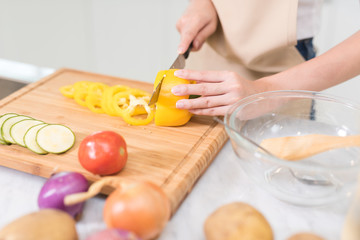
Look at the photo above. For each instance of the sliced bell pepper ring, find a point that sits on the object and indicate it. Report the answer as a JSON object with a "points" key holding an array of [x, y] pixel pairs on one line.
{"points": [[81, 91], [166, 112], [98, 88], [95, 93], [145, 96], [68, 91], [128, 103], [93, 102], [80, 96], [106, 101], [120, 101], [81, 86], [132, 120], [135, 117]]}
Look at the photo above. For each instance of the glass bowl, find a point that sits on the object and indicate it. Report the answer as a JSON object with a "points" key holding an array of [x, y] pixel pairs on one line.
{"points": [[317, 180]]}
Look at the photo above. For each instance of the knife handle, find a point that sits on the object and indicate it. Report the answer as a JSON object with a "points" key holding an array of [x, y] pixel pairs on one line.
{"points": [[186, 54]]}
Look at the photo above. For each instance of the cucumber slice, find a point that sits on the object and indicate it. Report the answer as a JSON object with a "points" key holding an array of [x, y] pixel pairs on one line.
{"points": [[30, 139], [18, 130], [8, 123], [3, 118], [55, 138]]}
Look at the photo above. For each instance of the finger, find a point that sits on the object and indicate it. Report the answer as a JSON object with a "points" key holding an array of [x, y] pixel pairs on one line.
{"points": [[185, 41], [203, 76], [202, 35], [203, 89], [188, 33], [216, 111], [204, 102]]}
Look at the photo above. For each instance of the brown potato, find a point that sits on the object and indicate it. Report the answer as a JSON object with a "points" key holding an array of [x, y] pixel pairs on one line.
{"points": [[305, 236], [236, 221], [49, 224]]}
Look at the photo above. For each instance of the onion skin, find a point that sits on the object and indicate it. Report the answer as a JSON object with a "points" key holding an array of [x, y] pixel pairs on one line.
{"points": [[140, 207], [55, 189], [113, 234]]}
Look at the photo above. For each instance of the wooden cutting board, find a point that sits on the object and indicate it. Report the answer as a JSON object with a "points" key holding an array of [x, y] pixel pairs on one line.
{"points": [[171, 157]]}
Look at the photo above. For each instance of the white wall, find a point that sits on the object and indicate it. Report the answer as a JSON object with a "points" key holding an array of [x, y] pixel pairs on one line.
{"points": [[131, 39], [340, 19], [46, 33], [126, 38]]}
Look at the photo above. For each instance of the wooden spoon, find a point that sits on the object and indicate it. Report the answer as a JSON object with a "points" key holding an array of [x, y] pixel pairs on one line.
{"points": [[299, 147]]}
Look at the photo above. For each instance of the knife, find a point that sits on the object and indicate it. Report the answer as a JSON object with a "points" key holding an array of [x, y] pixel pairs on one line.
{"points": [[179, 63]]}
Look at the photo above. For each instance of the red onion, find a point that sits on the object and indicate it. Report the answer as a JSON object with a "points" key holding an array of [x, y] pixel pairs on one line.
{"points": [[55, 189]]}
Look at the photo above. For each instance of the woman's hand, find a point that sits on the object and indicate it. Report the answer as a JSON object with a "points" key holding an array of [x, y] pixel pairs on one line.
{"points": [[197, 23], [218, 90]]}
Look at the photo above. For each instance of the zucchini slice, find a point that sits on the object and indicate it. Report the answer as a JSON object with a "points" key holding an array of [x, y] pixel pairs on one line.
{"points": [[6, 126], [30, 139], [18, 130], [3, 118], [55, 138]]}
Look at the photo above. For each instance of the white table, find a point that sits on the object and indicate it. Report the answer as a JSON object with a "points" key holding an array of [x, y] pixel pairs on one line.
{"points": [[223, 182]]}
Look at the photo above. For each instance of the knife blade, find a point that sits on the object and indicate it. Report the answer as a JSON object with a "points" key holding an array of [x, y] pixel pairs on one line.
{"points": [[179, 63]]}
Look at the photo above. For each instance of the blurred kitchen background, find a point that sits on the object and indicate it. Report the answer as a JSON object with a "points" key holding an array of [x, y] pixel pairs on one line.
{"points": [[129, 39]]}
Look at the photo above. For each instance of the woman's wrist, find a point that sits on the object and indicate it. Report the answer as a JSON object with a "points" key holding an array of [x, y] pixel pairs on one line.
{"points": [[266, 84]]}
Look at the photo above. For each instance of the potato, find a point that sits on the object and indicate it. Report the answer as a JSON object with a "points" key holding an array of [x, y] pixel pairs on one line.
{"points": [[49, 224], [305, 236], [236, 221]]}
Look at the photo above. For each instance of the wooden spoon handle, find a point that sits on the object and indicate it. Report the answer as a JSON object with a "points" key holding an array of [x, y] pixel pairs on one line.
{"points": [[299, 147]]}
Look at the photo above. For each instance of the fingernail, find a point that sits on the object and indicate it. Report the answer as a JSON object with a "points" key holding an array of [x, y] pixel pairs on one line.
{"points": [[195, 44], [181, 50], [179, 104], [178, 73], [176, 90]]}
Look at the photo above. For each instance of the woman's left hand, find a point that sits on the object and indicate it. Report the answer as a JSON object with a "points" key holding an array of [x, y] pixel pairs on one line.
{"points": [[218, 91]]}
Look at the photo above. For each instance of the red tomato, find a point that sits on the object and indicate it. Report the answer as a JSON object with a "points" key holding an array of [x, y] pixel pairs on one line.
{"points": [[103, 153]]}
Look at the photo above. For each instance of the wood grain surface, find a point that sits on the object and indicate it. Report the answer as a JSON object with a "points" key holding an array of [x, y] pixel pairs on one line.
{"points": [[171, 157]]}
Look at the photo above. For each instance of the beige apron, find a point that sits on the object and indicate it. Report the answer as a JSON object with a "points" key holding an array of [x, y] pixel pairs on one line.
{"points": [[254, 38]]}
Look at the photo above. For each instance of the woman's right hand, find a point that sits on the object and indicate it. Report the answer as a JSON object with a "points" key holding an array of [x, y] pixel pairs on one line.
{"points": [[197, 23]]}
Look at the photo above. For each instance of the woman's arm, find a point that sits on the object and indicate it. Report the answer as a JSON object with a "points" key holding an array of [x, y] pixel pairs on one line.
{"points": [[221, 89], [337, 65]]}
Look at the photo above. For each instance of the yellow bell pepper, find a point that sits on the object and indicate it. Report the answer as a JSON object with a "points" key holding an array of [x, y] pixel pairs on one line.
{"points": [[129, 103], [68, 91], [80, 92], [107, 100], [129, 116], [122, 100], [166, 112], [94, 95]]}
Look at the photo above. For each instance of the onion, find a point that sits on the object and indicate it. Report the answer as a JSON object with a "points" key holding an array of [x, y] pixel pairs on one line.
{"points": [[113, 234], [55, 189], [140, 207]]}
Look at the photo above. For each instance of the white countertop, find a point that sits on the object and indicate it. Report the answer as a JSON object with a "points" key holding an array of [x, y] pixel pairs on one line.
{"points": [[223, 182]]}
